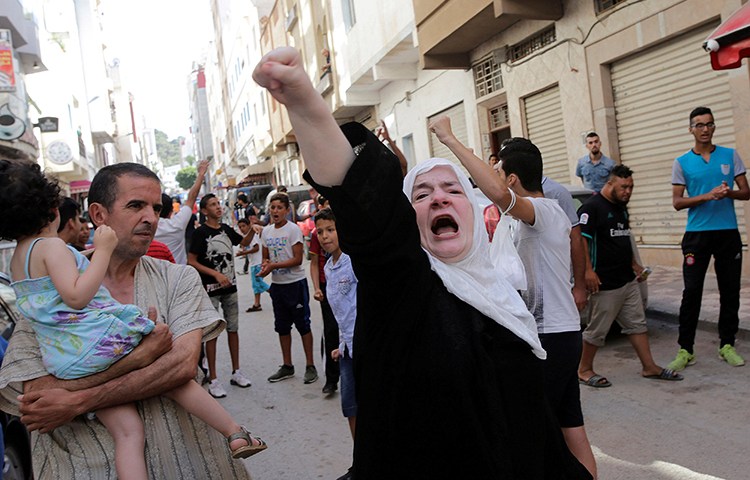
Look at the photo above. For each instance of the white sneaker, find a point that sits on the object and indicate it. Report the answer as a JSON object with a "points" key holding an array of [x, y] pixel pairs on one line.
{"points": [[216, 389], [239, 380]]}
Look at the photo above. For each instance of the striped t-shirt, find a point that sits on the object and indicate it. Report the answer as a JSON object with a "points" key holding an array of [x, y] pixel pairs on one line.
{"points": [[178, 445]]}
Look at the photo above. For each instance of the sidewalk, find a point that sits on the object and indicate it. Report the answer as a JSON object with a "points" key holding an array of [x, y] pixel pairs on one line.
{"points": [[665, 293]]}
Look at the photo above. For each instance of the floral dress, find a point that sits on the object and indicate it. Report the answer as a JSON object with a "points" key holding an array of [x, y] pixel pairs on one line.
{"points": [[76, 343]]}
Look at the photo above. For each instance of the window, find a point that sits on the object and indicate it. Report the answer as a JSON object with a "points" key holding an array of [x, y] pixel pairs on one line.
{"points": [[349, 18], [533, 43], [499, 117], [487, 77], [602, 5]]}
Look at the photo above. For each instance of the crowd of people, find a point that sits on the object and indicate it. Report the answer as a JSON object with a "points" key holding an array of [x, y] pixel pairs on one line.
{"points": [[104, 363]]}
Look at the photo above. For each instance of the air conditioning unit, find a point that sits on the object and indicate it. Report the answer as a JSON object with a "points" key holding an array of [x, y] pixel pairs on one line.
{"points": [[500, 55], [292, 149]]}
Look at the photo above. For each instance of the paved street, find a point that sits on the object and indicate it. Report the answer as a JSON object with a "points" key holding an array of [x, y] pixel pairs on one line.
{"points": [[640, 429]]}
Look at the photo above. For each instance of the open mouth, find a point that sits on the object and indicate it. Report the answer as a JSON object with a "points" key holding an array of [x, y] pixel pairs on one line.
{"points": [[444, 225]]}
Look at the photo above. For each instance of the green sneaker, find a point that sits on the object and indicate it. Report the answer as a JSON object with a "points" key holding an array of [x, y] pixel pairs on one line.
{"points": [[730, 355], [311, 374], [682, 360], [284, 372]]}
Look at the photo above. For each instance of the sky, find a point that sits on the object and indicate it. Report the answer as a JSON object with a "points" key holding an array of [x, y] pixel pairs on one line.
{"points": [[156, 42]]}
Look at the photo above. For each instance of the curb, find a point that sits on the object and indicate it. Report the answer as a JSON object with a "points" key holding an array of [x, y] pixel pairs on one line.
{"points": [[703, 325]]}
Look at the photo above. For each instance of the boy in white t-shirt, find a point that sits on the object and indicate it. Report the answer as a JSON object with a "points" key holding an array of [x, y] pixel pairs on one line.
{"points": [[254, 258], [282, 256]]}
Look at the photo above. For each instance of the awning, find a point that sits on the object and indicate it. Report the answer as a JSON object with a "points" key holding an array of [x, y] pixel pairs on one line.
{"points": [[79, 186], [730, 42], [265, 166]]}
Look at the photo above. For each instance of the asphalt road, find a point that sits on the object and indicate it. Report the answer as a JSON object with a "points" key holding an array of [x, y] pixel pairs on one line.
{"points": [[640, 429]]}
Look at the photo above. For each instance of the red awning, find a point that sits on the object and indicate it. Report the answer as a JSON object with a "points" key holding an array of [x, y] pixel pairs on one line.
{"points": [[730, 42], [79, 186]]}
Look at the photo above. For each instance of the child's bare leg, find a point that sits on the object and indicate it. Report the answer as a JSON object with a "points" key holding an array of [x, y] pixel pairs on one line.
{"points": [[126, 428], [201, 404], [257, 299]]}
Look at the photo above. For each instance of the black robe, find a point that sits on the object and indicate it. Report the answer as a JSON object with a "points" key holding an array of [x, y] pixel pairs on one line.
{"points": [[442, 390]]}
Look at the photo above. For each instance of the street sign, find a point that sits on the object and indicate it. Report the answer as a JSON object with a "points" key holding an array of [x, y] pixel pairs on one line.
{"points": [[48, 124]]}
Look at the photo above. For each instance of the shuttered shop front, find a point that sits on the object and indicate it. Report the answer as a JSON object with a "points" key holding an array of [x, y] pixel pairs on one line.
{"points": [[654, 92], [544, 127], [458, 125]]}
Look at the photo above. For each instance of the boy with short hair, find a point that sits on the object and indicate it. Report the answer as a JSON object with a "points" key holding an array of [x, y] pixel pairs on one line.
{"points": [[330, 340], [211, 254], [341, 292], [282, 256], [253, 257]]}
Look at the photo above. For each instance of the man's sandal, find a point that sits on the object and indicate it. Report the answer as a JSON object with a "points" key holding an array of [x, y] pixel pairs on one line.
{"points": [[249, 449], [596, 381]]}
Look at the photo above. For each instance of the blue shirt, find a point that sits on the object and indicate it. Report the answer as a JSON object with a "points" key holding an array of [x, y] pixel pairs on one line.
{"points": [[341, 292], [594, 176], [699, 177]]}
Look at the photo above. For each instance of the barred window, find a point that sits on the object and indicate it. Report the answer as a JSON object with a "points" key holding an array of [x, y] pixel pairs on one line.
{"points": [[499, 117], [533, 43], [602, 5], [487, 77]]}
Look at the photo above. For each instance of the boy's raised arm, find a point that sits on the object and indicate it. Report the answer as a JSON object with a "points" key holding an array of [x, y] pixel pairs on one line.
{"points": [[327, 152]]}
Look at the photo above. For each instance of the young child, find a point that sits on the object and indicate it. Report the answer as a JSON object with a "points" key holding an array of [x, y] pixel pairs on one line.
{"points": [[80, 328], [282, 255], [341, 291], [330, 340], [256, 258]]}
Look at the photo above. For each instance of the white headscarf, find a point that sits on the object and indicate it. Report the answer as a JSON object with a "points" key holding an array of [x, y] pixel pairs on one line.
{"points": [[475, 280]]}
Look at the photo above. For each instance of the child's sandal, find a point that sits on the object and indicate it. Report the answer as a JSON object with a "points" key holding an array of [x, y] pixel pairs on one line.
{"points": [[249, 449]]}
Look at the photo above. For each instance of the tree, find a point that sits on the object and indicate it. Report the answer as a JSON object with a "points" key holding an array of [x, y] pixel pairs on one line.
{"points": [[186, 177], [190, 160], [168, 150]]}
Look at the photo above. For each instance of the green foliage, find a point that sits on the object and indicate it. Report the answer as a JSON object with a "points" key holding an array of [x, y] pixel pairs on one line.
{"points": [[168, 150], [186, 177], [190, 160]]}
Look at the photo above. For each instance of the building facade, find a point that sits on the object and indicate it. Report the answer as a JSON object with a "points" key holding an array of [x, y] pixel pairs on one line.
{"points": [[632, 71]]}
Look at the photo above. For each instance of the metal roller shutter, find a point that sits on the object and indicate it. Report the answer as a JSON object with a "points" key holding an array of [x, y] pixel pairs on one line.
{"points": [[654, 92], [458, 124], [544, 127]]}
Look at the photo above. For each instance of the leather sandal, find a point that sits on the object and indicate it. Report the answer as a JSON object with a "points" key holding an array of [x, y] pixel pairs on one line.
{"points": [[249, 449]]}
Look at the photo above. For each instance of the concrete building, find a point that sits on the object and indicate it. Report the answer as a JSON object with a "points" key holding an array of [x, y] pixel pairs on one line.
{"points": [[236, 105], [200, 126], [629, 70], [20, 55]]}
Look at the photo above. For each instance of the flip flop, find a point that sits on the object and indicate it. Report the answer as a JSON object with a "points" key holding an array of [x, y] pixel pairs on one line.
{"points": [[254, 308], [666, 374], [596, 381]]}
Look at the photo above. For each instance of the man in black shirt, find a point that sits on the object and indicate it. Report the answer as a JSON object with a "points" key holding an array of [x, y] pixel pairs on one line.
{"points": [[612, 277]]}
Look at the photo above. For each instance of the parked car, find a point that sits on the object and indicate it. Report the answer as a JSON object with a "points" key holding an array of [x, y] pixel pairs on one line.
{"points": [[297, 194], [256, 194], [17, 446]]}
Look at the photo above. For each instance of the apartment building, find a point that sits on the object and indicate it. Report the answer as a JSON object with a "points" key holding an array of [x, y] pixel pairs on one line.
{"points": [[20, 57], [630, 70]]}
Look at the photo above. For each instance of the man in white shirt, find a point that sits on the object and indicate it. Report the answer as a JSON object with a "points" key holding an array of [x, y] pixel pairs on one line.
{"points": [[171, 228]]}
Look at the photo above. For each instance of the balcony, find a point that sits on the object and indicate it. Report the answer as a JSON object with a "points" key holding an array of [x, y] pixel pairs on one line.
{"points": [[448, 30], [25, 35]]}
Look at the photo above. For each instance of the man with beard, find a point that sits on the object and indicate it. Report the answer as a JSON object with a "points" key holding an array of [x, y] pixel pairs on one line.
{"points": [[127, 198], [594, 168], [612, 277]]}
